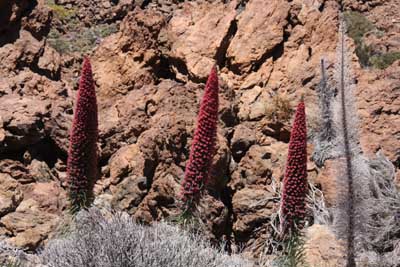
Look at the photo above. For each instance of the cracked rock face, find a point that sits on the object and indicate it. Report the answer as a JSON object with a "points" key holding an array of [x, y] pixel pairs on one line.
{"points": [[198, 33], [10, 194], [150, 77], [260, 30]]}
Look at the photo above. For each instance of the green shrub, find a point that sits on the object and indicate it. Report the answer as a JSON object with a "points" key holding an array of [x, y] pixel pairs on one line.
{"points": [[105, 30], [58, 42], [385, 60], [82, 40], [60, 11], [358, 25], [293, 254]]}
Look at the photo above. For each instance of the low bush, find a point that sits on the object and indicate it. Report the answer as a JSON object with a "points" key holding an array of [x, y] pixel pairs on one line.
{"points": [[115, 240], [357, 26], [60, 11], [384, 60], [82, 40], [279, 109]]}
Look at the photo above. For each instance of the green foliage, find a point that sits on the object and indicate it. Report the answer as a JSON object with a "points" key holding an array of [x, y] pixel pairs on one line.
{"points": [[57, 41], [104, 30], [357, 26], [82, 40], [188, 221], [293, 251], [184, 218], [79, 200], [385, 60], [77, 37], [363, 53], [60, 11]]}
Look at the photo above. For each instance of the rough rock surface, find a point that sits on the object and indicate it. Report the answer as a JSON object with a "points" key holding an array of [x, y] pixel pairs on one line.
{"points": [[322, 248], [149, 81], [380, 112], [10, 194], [260, 29], [197, 34]]}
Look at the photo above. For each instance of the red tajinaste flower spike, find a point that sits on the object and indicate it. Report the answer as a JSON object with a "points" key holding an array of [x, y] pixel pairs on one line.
{"points": [[295, 185], [82, 154], [203, 145]]}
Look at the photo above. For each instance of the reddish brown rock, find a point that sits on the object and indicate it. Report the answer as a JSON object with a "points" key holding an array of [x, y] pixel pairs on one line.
{"points": [[22, 121], [262, 165], [129, 193], [310, 39], [260, 29], [36, 217], [147, 107], [260, 77], [44, 197], [16, 170], [29, 83], [29, 228], [253, 207], [326, 179], [40, 171], [252, 104], [10, 17], [379, 109], [361, 5], [243, 138], [10, 194], [160, 202], [322, 247], [127, 160], [218, 176], [198, 33], [122, 63], [37, 22], [214, 215], [22, 53], [92, 12], [50, 61]]}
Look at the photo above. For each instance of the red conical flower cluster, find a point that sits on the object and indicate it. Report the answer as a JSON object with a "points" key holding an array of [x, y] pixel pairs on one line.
{"points": [[82, 154], [203, 145], [295, 184]]}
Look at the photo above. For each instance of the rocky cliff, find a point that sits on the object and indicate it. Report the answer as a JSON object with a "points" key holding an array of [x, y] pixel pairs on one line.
{"points": [[150, 61]]}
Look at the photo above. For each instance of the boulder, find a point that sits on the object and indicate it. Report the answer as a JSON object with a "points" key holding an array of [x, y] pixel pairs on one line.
{"points": [[29, 228], [128, 194], [260, 29], [47, 197], [22, 121], [16, 170], [253, 207], [198, 34], [11, 194], [262, 165]]}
